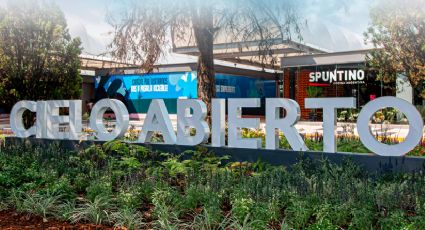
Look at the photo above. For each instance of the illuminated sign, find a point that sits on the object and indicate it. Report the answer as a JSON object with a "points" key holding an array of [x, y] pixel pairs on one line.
{"points": [[191, 114], [337, 77]]}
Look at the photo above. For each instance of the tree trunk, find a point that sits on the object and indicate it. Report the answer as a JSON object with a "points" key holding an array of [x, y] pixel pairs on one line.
{"points": [[202, 21]]}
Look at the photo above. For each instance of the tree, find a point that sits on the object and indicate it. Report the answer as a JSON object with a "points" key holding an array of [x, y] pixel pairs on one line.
{"points": [[145, 29], [398, 35], [38, 58]]}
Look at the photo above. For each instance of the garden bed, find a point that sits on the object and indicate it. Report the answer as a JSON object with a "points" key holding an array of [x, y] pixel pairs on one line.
{"points": [[12, 220], [117, 184]]}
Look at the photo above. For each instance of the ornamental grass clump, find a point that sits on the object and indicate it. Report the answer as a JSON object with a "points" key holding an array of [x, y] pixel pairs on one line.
{"points": [[97, 211], [44, 205]]}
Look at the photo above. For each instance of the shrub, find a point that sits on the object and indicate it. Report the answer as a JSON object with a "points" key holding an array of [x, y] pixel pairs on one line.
{"points": [[43, 205], [62, 187], [130, 198], [101, 187], [97, 211], [128, 218]]}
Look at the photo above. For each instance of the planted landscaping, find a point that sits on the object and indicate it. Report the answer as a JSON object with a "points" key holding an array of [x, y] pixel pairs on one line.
{"points": [[117, 184]]}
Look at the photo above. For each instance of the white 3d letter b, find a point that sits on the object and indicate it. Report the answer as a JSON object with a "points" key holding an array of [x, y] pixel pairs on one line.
{"points": [[186, 121]]}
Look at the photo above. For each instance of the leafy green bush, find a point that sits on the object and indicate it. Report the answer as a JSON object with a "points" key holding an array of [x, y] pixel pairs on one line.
{"points": [[101, 187]]}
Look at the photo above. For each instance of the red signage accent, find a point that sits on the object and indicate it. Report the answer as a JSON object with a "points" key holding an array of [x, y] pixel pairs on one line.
{"points": [[318, 84]]}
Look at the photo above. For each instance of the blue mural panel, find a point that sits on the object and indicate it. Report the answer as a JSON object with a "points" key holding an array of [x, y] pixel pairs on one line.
{"points": [[136, 91], [149, 86], [183, 85], [231, 86]]}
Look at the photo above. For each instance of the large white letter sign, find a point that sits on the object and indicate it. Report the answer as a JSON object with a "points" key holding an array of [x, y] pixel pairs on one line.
{"points": [[415, 126], [54, 119], [157, 120], [41, 124], [218, 119], [274, 124], [186, 121], [121, 116], [16, 123], [236, 123], [329, 106]]}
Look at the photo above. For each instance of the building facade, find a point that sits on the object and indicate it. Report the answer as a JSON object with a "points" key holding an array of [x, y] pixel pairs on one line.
{"points": [[179, 81], [343, 74]]}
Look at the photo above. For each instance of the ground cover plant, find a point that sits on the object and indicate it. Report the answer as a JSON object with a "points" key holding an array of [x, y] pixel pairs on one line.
{"points": [[125, 185]]}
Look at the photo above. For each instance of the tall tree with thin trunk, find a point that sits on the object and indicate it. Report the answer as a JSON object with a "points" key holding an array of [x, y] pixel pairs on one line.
{"points": [[145, 30]]}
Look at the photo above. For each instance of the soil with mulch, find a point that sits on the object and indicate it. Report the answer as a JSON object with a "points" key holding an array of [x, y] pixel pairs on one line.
{"points": [[11, 220]]}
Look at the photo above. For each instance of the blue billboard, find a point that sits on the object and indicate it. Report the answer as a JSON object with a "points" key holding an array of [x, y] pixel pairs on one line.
{"points": [[137, 90], [150, 86], [233, 86]]}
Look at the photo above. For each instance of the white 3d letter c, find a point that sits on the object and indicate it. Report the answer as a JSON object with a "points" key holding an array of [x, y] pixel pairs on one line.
{"points": [[16, 123]]}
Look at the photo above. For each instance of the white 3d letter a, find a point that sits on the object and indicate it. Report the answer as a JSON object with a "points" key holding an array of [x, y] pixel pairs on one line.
{"points": [[157, 120]]}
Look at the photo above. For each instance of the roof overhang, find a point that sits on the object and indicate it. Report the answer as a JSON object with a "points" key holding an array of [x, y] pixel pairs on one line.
{"points": [[248, 52], [346, 57]]}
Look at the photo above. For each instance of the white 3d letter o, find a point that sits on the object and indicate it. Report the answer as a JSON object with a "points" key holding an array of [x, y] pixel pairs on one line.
{"points": [[121, 115], [415, 126]]}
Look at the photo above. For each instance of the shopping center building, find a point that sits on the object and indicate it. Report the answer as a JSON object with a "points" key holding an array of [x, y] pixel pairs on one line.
{"points": [[341, 74], [174, 81], [303, 72]]}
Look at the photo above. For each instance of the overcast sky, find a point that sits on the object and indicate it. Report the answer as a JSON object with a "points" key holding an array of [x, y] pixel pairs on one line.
{"points": [[335, 25]]}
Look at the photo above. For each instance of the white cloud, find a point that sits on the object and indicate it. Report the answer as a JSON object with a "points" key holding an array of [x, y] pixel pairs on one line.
{"points": [[336, 25], [87, 20], [332, 24]]}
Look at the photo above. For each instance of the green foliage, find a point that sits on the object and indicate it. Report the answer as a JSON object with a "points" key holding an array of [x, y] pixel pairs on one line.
{"points": [[131, 197], [242, 207], [37, 53], [101, 187], [204, 221], [314, 91], [298, 213], [349, 115], [97, 211], [62, 186], [128, 218], [399, 39], [65, 210], [43, 205], [197, 190]]}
